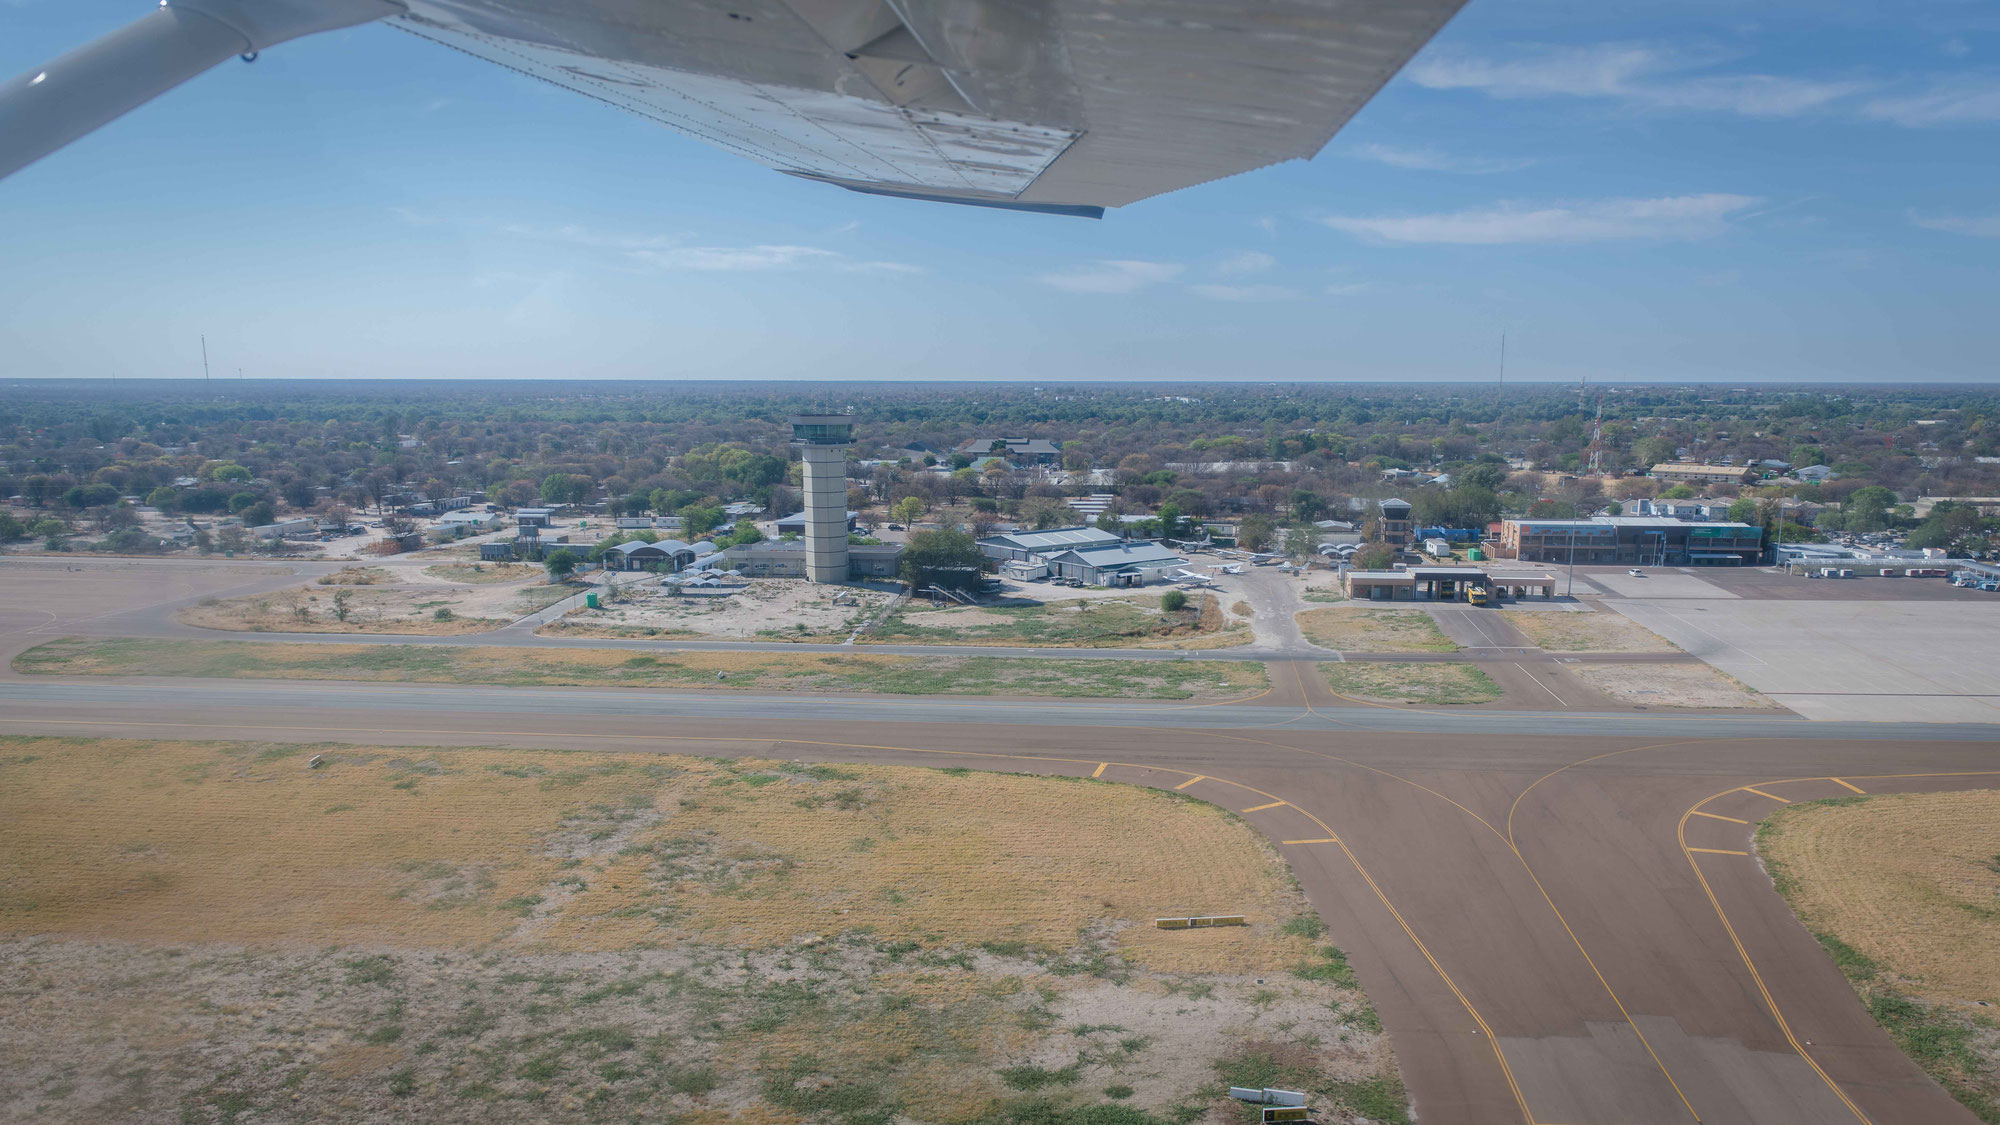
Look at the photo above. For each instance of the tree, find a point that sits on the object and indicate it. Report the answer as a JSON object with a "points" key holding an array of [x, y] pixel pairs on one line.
{"points": [[699, 521], [907, 510], [38, 487], [11, 528], [561, 563], [942, 558], [1170, 520], [1255, 532], [566, 488], [1045, 513], [340, 609], [1173, 601], [1678, 492], [1307, 505], [1375, 556], [1488, 476], [164, 498], [229, 471], [1655, 451], [258, 514], [84, 496], [1744, 510]]}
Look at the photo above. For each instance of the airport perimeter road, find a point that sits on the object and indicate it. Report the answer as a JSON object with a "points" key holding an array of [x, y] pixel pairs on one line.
{"points": [[1558, 916]]}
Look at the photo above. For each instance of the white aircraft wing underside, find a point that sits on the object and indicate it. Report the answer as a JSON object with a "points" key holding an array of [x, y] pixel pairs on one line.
{"points": [[1057, 105], [1068, 106]]}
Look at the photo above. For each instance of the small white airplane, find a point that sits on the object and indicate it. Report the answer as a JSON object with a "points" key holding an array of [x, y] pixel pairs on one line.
{"points": [[1231, 568], [1191, 578], [1265, 559]]}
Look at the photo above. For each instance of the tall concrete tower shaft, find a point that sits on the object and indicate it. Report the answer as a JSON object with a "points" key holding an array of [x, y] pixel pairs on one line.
{"points": [[823, 440]]}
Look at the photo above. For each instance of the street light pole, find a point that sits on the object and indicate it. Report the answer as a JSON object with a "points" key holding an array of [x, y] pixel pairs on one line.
{"points": [[1570, 589]]}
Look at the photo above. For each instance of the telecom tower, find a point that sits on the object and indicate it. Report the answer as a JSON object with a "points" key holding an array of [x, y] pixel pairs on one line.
{"points": [[823, 440]]}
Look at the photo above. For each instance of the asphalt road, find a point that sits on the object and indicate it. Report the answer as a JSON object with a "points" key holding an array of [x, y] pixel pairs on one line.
{"points": [[1557, 912]]}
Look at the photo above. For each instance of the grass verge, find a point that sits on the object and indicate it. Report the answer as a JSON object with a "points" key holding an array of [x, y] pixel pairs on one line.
{"points": [[1122, 622], [585, 667], [1899, 890], [1440, 684], [1361, 629], [463, 935]]}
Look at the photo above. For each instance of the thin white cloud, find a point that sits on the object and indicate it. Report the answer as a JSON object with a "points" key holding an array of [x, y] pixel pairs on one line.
{"points": [[1978, 226], [1349, 290], [743, 259], [1959, 100], [1244, 292], [593, 239], [1637, 74], [1603, 220], [1431, 160], [1245, 262], [1112, 276]]}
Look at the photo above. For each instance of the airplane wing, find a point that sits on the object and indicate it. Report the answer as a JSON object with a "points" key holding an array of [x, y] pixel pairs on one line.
{"points": [[1062, 106]]}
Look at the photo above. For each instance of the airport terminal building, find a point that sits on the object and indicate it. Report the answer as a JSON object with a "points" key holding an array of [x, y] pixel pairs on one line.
{"points": [[1632, 541]]}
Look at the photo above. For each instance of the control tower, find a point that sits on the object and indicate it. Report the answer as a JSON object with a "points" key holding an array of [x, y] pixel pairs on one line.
{"points": [[823, 440]]}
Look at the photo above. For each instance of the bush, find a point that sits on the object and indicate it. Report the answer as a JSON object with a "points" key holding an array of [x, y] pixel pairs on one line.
{"points": [[1173, 601]]}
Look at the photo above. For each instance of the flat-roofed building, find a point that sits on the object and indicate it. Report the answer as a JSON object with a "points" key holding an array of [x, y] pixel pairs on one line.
{"points": [[787, 559], [1019, 546], [1701, 474], [1632, 540], [1123, 564]]}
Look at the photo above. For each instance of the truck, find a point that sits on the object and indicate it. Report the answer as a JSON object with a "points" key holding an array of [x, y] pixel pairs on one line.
{"points": [[1478, 595]]}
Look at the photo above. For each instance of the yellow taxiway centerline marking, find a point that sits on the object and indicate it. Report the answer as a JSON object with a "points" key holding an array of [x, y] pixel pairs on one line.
{"points": [[1719, 816], [1099, 771], [1844, 785], [1321, 840], [1272, 805], [1191, 781], [1717, 851], [1761, 793]]}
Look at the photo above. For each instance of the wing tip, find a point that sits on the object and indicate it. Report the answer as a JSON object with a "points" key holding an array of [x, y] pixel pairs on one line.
{"points": [[929, 195]]}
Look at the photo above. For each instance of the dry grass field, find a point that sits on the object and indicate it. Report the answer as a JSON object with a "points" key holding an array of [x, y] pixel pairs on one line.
{"points": [[484, 573], [357, 576], [428, 608], [1129, 621], [586, 667], [1903, 890], [1363, 629], [1596, 631], [1669, 685], [765, 609], [1445, 684], [207, 932]]}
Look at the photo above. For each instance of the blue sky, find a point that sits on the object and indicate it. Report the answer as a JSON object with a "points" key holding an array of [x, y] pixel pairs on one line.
{"points": [[1700, 190]]}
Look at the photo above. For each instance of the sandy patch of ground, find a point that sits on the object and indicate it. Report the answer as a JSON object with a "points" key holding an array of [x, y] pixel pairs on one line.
{"points": [[1411, 683], [1365, 629], [427, 608], [767, 609], [357, 576], [484, 573], [1903, 890], [1597, 631], [1131, 621], [1669, 685], [196, 931], [584, 667]]}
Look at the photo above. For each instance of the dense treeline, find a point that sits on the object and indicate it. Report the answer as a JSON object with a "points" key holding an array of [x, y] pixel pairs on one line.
{"points": [[1275, 452]]}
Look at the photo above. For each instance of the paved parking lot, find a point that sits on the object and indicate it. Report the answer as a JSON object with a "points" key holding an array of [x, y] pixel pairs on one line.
{"points": [[1904, 659]]}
